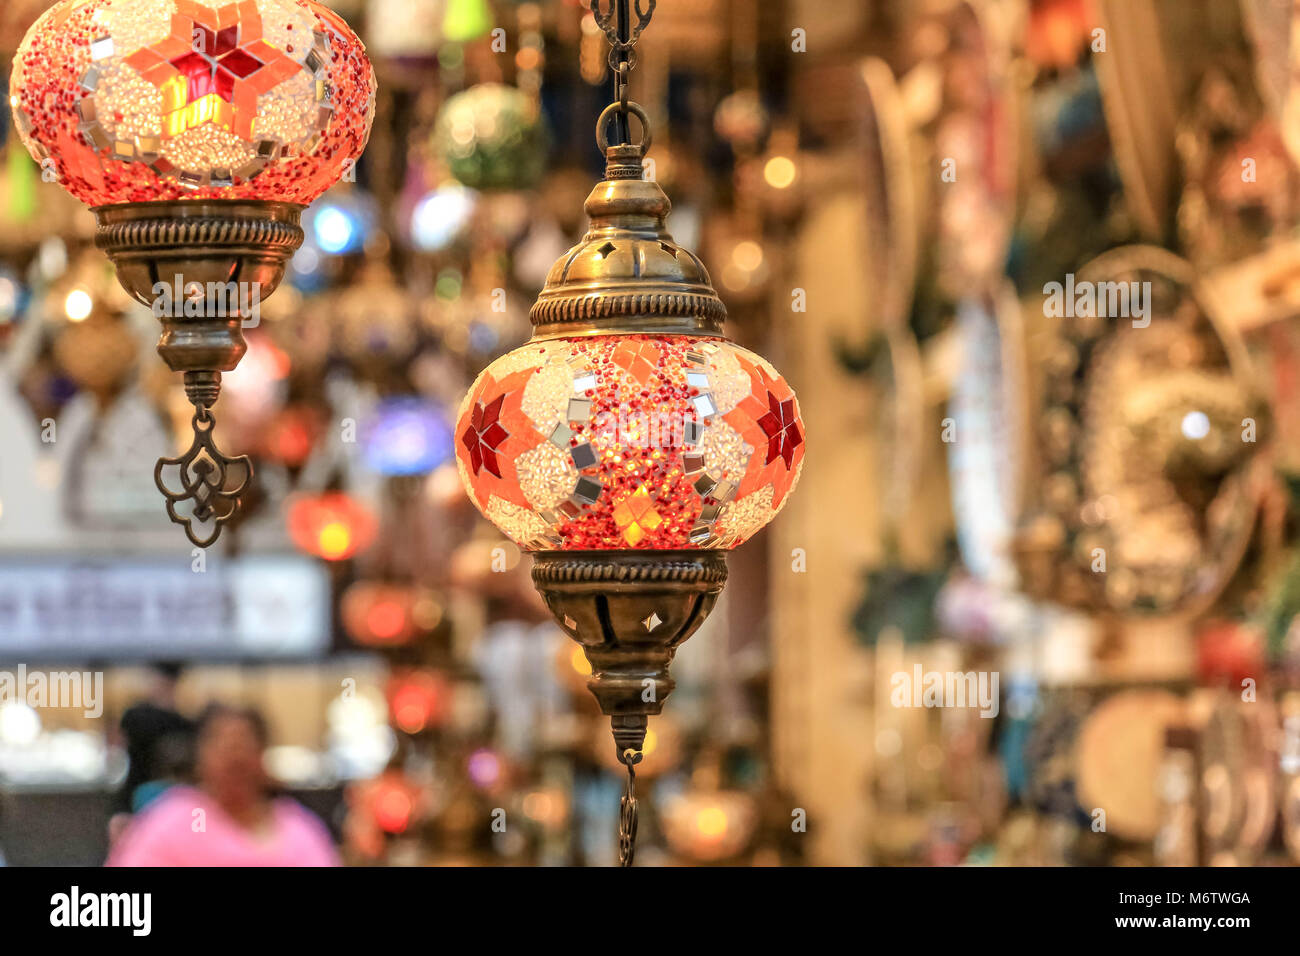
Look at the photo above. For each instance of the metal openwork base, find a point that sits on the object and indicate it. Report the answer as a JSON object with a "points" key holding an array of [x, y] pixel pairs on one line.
{"points": [[203, 267], [630, 610]]}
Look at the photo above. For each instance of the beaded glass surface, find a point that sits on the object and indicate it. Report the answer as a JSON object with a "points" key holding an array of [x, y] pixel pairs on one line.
{"points": [[140, 100], [630, 441]]}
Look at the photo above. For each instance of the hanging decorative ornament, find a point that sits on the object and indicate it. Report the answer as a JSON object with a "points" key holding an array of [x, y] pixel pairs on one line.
{"points": [[1140, 91], [391, 802], [196, 134], [1148, 433], [492, 136], [1241, 189], [707, 822], [94, 344], [973, 213], [710, 826], [988, 398], [97, 350], [1117, 758], [375, 320], [896, 372], [629, 444], [406, 30]]}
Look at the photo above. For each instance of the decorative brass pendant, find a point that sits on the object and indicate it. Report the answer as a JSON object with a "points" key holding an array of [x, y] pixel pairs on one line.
{"points": [[203, 267], [630, 611]]}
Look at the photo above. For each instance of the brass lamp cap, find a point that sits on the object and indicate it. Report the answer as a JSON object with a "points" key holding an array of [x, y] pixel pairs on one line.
{"points": [[627, 274]]}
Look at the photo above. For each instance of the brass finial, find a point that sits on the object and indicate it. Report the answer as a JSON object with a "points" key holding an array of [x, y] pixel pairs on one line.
{"points": [[627, 275]]}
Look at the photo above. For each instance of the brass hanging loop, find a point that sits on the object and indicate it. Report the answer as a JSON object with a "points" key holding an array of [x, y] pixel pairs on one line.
{"points": [[633, 109]]}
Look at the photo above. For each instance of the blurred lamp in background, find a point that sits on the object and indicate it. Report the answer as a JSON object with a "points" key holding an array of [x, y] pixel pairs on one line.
{"points": [[492, 136], [340, 223], [196, 133], [406, 436], [332, 526], [629, 444]]}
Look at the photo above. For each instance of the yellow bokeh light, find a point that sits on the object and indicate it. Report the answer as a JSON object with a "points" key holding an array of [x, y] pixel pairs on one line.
{"points": [[78, 304], [780, 172], [334, 540], [579, 661], [748, 255], [711, 822]]}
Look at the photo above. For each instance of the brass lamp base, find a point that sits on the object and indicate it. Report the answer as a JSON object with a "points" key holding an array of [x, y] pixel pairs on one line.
{"points": [[203, 267], [630, 610]]}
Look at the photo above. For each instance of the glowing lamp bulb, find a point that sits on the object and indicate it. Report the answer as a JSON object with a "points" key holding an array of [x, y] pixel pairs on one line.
{"points": [[140, 100]]}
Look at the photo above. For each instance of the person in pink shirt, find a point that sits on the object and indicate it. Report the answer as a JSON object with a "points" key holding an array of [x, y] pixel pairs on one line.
{"points": [[229, 819]]}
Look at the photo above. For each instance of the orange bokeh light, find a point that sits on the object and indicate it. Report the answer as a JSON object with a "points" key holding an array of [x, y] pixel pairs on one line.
{"points": [[332, 526]]}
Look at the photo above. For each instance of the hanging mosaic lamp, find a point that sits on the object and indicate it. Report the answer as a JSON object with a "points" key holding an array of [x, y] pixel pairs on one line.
{"points": [[196, 133], [629, 444], [492, 137]]}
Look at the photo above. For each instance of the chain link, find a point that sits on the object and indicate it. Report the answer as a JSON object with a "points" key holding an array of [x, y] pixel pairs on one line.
{"points": [[627, 807], [608, 23], [622, 53]]}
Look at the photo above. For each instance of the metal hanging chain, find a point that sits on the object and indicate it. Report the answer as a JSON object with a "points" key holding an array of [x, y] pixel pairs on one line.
{"points": [[616, 23], [627, 815], [614, 17]]}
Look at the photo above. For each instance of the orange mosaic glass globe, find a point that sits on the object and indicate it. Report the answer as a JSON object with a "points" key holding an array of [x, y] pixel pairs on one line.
{"points": [[147, 100], [630, 441]]}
